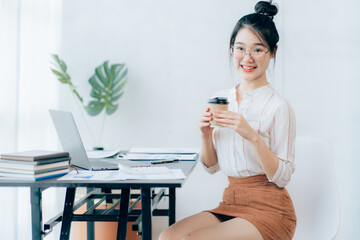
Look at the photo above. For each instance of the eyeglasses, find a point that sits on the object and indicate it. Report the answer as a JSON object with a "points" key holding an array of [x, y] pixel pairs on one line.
{"points": [[258, 53]]}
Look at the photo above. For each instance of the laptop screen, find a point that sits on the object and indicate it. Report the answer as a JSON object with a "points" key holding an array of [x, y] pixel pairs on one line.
{"points": [[70, 138]]}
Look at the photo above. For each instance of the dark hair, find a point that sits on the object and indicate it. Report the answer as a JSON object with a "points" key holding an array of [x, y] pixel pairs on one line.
{"points": [[261, 24]]}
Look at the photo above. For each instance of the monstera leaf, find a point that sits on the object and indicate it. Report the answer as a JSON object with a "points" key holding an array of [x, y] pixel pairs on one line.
{"points": [[107, 85]]}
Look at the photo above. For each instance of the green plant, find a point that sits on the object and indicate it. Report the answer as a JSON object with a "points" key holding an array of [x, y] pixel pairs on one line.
{"points": [[107, 86]]}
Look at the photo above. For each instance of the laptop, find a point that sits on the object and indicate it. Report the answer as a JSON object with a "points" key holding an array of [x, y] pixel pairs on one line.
{"points": [[70, 140]]}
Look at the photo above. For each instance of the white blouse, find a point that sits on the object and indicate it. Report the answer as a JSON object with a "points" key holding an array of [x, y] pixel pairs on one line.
{"points": [[274, 120]]}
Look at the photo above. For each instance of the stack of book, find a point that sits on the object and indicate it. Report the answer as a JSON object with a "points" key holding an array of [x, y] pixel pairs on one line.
{"points": [[34, 165]]}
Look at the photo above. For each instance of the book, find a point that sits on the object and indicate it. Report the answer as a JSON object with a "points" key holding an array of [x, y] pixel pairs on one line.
{"points": [[36, 163], [35, 177], [17, 165], [34, 155], [32, 171]]}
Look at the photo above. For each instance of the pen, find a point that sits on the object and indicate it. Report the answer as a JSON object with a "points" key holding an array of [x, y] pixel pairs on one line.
{"points": [[164, 161]]}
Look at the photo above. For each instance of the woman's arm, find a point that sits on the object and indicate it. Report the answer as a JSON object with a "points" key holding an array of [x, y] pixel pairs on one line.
{"points": [[277, 162], [207, 152], [268, 160]]}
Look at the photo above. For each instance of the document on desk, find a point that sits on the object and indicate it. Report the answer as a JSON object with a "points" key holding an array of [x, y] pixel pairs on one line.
{"points": [[93, 176], [184, 154], [165, 150], [102, 154], [158, 156], [172, 174], [119, 175]]}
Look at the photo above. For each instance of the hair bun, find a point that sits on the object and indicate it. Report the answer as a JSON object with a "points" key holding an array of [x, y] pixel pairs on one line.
{"points": [[266, 8]]}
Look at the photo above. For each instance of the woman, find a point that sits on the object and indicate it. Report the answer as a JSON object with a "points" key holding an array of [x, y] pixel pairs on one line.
{"points": [[254, 146]]}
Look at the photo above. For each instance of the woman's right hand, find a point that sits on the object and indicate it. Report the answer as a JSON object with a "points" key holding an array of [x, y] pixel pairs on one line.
{"points": [[204, 124]]}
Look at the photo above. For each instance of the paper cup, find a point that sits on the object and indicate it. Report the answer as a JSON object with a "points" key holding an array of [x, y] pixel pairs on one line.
{"points": [[214, 104]]}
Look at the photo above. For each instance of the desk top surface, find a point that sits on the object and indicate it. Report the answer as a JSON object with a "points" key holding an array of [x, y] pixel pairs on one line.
{"points": [[185, 166]]}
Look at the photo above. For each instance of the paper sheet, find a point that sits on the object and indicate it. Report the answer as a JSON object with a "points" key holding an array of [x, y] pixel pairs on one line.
{"points": [[174, 174], [102, 154], [157, 156], [165, 150], [93, 176], [119, 175]]}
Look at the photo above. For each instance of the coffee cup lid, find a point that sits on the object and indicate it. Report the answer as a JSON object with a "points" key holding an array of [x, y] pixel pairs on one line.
{"points": [[219, 100]]}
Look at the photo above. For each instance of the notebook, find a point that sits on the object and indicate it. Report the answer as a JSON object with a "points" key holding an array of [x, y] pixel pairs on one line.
{"points": [[34, 155], [71, 142]]}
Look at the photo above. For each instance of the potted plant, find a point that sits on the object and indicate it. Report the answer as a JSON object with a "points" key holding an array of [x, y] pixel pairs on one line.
{"points": [[107, 87]]}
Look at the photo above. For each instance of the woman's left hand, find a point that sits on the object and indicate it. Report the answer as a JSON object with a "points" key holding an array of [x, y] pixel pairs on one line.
{"points": [[237, 122]]}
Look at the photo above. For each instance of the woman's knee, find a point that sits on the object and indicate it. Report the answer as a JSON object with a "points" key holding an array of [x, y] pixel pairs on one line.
{"points": [[189, 236], [164, 235], [168, 234]]}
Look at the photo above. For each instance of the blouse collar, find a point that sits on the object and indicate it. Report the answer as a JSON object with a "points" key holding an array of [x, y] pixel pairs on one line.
{"points": [[253, 93]]}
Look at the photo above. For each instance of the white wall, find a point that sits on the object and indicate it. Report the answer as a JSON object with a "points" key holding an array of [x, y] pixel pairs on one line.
{"points": [[176, 52], [322, 79]]}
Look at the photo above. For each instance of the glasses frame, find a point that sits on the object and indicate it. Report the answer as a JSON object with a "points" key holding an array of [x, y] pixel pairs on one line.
{"points": [[247, 51]]}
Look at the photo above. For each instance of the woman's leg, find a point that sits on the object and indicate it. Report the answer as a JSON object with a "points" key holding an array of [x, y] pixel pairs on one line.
{"points": [[237, 228], [187, 225]]}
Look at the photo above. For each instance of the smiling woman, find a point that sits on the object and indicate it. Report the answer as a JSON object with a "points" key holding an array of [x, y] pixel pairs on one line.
{"points": [[250, 55], [253, 145], [177, 56]]}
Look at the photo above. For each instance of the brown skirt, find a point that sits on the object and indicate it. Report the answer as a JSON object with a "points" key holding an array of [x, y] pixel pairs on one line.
{"points": [[268, 207]]}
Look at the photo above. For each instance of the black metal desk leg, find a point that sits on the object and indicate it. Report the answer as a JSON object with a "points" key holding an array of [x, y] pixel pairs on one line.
{"points": [[67, 214], [36, 215], [146, 213], [90, 225], [123, 214], [172, 192]]}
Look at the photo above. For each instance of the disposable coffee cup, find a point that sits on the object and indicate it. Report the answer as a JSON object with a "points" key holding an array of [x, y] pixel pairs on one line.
{"points": [[217, 103]]}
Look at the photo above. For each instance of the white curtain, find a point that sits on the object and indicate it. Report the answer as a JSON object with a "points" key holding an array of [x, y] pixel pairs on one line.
{"points": [[29, 32]]}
